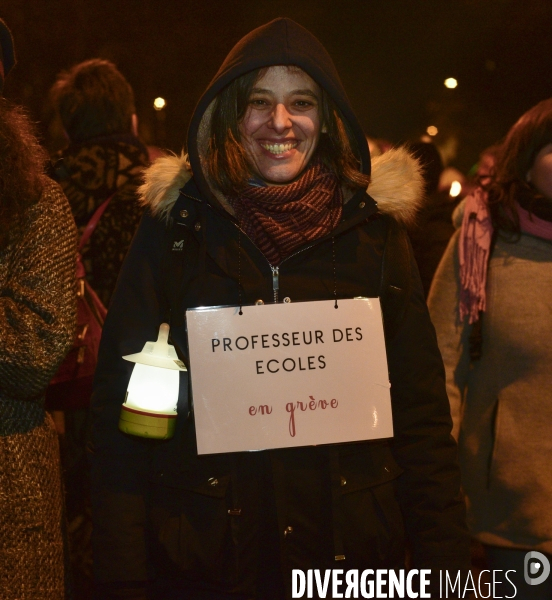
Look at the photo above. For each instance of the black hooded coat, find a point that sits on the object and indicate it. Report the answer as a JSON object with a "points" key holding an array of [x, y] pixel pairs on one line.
{"points": [[239, 523]]}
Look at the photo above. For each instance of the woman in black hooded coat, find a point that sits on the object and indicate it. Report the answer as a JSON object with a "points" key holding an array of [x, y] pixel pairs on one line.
{"points": [[177, 525]]}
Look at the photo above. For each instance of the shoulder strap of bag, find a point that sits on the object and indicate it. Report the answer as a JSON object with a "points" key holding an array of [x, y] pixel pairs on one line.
{"points": [[88, 231]]}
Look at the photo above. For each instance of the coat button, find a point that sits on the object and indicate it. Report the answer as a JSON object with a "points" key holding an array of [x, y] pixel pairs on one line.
{"points": [[362, 205], [288, 530], [197, 226], [213, 482], [343, 481], [287, 299], [259, 302], [184, 213]]}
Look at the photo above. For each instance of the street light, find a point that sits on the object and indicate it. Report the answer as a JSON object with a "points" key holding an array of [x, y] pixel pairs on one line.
{"points": [[455, 189], [159, 103]]}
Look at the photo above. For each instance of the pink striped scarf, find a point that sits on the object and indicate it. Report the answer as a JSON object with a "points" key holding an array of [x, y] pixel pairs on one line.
{"points": [[475, 245]]}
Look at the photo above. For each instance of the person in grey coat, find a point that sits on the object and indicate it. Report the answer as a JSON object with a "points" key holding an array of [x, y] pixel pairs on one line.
{"points": [[490, 304]]}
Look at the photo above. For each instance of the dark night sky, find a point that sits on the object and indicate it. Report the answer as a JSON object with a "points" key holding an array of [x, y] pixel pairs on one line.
{"points": [[393, 56]]}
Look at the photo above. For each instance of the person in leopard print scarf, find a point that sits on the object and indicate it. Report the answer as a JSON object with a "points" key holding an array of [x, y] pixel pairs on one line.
{"points": [[104, 159]]}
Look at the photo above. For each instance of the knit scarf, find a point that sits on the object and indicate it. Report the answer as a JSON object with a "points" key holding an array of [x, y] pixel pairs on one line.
{"points": [[475, 246], [279, 219]]}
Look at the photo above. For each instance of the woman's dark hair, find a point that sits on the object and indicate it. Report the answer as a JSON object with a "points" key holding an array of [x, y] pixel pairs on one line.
{"points": [[226, 159], [489, 156], [515, 158], [92, 99], [22, 161]]}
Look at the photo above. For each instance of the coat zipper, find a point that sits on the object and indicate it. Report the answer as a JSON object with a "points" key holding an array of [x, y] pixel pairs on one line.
{"points": [[275, 282]]}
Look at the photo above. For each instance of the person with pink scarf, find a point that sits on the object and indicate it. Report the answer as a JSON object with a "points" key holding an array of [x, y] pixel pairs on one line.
{"points": [[490, 304]]}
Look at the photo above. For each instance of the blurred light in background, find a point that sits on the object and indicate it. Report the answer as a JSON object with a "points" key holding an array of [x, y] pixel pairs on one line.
{"points": [[432, 130], [455, 189], [159, 103], [451, 83]]}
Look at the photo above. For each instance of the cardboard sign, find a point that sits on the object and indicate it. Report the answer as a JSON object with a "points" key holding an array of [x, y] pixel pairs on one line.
{"points": [[283, 375]]}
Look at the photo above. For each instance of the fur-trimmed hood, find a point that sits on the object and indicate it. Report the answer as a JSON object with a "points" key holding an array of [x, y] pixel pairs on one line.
{"points": [[396, 184], [396, 178]]}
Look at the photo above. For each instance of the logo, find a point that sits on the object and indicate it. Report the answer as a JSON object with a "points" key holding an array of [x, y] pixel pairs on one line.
{"points": [[178, 246], [536, 568]]}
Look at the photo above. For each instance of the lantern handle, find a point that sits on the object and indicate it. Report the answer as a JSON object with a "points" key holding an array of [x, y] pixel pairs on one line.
{"points": [[163, 333]]}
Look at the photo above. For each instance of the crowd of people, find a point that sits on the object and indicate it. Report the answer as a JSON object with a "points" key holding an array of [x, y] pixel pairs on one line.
{"points": [[276, 200]]}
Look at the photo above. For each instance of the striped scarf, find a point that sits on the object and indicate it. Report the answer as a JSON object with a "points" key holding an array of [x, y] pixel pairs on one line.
{"points": [[473, 253], [475, 247], [279, 219]]}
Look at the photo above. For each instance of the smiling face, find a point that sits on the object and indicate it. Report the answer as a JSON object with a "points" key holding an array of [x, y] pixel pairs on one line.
{"points": [[281, 126], [540, 174]]}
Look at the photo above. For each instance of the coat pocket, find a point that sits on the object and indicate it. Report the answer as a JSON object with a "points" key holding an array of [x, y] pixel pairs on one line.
{"points": [[191, 528], [373, 527]]}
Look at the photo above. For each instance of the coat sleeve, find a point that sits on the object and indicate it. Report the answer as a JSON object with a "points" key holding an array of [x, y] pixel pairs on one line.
{"points": [[452, 335], [429, 488], [120, 463], [38, 298]]}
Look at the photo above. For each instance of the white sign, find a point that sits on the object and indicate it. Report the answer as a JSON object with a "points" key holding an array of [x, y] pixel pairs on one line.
{"points": [[282, 375]]}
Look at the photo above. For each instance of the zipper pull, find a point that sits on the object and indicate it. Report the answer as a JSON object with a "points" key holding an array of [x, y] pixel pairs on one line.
{"points": [[275, 282]]}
